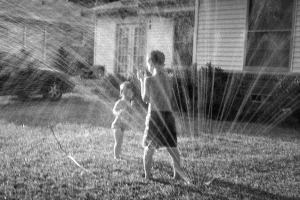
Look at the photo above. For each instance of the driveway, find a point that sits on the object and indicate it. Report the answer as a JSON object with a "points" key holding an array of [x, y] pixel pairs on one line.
{"points": [[72, 108]]}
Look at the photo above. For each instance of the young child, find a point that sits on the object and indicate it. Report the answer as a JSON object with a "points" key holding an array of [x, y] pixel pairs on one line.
{"points": [[122, 112], [160, 130]]}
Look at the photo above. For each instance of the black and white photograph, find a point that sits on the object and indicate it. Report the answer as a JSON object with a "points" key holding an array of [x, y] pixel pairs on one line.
{"points": [[149, 99]]}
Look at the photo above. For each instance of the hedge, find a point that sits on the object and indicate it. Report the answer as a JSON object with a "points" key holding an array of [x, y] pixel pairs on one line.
{"points": [[221, 95], [243, 96]]}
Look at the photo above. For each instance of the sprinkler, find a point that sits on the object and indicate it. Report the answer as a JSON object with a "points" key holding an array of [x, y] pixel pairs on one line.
{"points": [[68, 155]]}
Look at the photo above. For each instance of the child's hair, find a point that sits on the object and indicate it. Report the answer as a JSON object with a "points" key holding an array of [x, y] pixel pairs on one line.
{"points": [[157, 57], [125, 86]]}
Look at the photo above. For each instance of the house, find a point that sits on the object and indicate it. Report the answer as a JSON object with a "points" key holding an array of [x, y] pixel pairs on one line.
{"points": [[126, 31], [238, 35]]}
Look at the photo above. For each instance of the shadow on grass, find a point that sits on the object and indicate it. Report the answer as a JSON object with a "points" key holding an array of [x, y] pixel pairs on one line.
{"points": [[217, 188], [198, 190], [38, 112], [236, 190], [245, 190]]}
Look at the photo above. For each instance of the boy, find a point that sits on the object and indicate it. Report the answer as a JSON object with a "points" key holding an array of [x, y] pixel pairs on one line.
{"points": [[160, 128]]}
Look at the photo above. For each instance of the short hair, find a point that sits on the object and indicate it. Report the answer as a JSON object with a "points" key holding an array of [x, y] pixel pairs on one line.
{"points": [[124, 86], [157, 57]]}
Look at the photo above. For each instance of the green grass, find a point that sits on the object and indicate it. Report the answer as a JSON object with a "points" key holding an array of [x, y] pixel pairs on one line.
{"points": [[32, 165]]}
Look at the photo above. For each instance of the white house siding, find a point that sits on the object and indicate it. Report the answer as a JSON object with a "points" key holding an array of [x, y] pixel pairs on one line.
{"points": [[35, 40], [105, 37], [296, 47], [11, 36], [221, 33], [160, 32]]}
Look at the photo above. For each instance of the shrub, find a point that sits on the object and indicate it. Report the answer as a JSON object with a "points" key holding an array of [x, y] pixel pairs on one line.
{"points": [[100, 69], [285, 97], [198, 91], [61, 61], [15, 61], [67, 62], [263, 97], [222, 95], [259, 98], [242, 96], [213, 85], [111, 84]]}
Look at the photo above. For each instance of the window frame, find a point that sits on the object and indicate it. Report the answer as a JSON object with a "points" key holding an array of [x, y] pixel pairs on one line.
{"points": [[131, 26], [291, 47], [80, 42], [117, 69]]}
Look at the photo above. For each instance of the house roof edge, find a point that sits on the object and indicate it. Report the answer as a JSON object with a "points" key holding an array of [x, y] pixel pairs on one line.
{"points": [[143, 7]]}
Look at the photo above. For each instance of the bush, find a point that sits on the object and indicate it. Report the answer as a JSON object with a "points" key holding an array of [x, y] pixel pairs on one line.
{"points": [[100, 69], [111, 84], [61, 61], [22, 59], [198, 91], [242, 96], [252, 97], [285, 97], [263, 97], [213, 80], [221, 95]]}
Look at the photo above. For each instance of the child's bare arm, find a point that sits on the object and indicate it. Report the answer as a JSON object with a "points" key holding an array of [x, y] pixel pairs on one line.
{"points": [[118, 107], [133, 105], [145, 89]]}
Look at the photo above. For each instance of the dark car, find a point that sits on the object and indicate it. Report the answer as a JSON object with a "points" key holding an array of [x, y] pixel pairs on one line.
{"points": [[28, 81]]}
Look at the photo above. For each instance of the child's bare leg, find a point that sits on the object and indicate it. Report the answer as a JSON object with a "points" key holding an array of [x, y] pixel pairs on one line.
{"points": [[148, 159], [177, 170], [118, 135]]}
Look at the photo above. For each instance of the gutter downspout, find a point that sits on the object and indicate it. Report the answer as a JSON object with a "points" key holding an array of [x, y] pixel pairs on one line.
{"points": [[195, 68], [95, 36], [195, 37]]}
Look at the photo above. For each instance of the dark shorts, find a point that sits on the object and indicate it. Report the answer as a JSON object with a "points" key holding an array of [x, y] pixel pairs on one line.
{"points": [[160, 130]]}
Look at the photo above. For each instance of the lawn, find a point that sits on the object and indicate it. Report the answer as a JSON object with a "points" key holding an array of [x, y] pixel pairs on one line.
{"points": [[34, 166]]}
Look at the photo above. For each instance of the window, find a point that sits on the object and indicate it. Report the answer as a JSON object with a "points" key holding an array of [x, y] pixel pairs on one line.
{"points": [[183, 40], [122, 47], [139, 47], [270, 24], [130, 48], [76, 38]]}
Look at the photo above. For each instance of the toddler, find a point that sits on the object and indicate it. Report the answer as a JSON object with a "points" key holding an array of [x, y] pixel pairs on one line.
{"points": [[122, 112]]}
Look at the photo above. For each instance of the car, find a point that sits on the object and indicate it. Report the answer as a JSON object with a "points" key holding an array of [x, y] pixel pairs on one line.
{"points": [[34, 79]]}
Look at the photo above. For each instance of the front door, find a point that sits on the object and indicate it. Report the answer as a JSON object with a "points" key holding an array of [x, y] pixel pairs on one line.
{"points": [[130, 48]]}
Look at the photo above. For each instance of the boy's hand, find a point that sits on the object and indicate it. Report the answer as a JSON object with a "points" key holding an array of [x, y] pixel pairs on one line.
{"points": [[134, 104]]}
